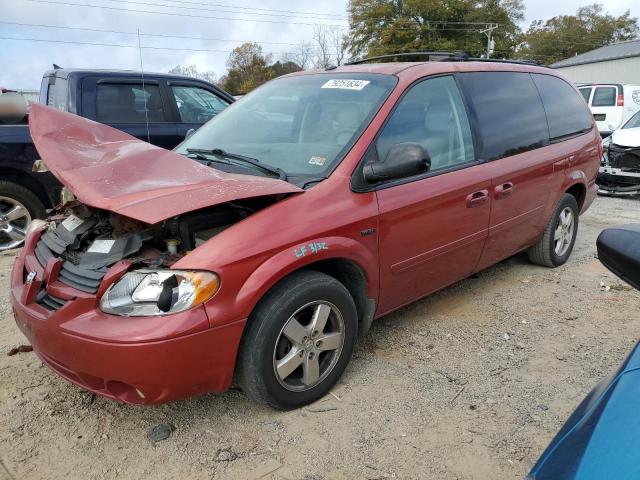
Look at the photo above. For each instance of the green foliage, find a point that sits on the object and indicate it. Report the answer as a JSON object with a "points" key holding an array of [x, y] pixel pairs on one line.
{"points": [[249, 68], [379, 27], [568, 35]]}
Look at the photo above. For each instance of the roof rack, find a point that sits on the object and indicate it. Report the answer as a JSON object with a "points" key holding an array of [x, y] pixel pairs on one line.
{"points": [[436, 56], [402, 57]]}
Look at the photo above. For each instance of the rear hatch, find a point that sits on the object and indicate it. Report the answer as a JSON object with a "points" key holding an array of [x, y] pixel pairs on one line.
{"points": [[607, 105]]}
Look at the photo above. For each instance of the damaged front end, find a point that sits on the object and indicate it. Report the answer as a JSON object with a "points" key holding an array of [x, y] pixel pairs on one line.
{"points": [[79, 246], [619, 173], [131, 211]]}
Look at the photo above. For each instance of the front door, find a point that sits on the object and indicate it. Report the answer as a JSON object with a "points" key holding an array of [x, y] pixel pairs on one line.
{"points": [[433, 226]]}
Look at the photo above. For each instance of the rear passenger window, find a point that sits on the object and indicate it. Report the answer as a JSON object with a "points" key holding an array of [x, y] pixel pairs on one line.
{"points": [[126, 102], [509, 111], [566, 113], [586, 93], [432, 114], [604, 97]]}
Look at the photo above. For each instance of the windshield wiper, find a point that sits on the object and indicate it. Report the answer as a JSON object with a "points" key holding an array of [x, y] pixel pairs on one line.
{"points": [[242, 158]]}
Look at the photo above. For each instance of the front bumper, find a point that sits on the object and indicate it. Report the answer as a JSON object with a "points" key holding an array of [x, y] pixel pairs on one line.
{"points": [[144, 360], [617, 181]]}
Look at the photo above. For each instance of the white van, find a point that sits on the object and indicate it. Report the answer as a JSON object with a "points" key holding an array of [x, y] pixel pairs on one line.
{"points": [[611, 104]]}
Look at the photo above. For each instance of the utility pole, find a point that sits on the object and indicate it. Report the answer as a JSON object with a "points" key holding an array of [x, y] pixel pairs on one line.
{"points": [[490, 42]]}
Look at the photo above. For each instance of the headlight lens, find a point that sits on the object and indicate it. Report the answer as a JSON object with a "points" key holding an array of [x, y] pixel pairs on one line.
{"points": [[142, 293]]}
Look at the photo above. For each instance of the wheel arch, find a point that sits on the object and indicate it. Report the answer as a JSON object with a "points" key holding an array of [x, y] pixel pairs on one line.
{"points": [[27, 181], [579, 192], [346, 260]]}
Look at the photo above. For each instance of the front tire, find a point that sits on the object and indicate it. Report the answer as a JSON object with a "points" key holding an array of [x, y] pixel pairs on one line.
{"points": [[556, 244], [18, 206], [298, 342]]}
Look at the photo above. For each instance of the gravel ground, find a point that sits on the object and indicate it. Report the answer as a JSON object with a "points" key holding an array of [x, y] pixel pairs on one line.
{"points": [[472, 382]]}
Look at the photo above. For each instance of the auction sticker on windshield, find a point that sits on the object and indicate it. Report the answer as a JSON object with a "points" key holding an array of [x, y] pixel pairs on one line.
{"points": [[346, 84]]}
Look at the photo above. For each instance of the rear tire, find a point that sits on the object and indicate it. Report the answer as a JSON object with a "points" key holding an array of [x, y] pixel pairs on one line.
{"points": [[298, 341], [556, 244], [18, 206]]}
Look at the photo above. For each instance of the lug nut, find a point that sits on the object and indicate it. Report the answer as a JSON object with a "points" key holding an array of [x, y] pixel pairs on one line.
{"points": [[319, 343]]}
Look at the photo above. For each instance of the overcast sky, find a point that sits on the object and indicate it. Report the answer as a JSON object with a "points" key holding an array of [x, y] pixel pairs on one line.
{"points": [[264, 21]]}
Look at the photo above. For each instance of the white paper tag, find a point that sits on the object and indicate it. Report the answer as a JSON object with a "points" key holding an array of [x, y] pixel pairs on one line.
{"points": [[316, 160], [346, 84], [71, 223], [101, 246]]}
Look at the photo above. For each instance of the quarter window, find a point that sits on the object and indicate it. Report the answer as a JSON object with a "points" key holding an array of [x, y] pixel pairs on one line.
{"points": [[126, 103], [197, 105], [509, 112], [432, 114], [566, 112], [604, 97]]}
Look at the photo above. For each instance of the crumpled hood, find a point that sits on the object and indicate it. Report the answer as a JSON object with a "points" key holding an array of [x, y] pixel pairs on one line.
{"points": [[109, 169], [626, 137]]}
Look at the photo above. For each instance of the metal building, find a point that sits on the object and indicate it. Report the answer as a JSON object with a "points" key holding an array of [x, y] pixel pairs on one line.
{"points": [[615, 63]]}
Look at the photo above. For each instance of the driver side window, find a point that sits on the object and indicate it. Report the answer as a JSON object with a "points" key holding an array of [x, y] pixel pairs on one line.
{"points": [[197, 105], [432, 114]]}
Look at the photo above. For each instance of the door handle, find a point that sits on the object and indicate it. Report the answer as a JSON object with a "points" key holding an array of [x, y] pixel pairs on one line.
{"points": [[478, 198], [503, 191]]}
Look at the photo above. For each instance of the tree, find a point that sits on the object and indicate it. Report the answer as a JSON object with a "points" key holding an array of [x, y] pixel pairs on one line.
{"points": [[248, 68], [379, 27], [564, 36], [192, 71], [282, 68], [321, 37], [301, 55]]}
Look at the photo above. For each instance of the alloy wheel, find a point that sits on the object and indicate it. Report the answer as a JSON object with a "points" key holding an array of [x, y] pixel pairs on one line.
{"points": [[563, 234], [14, 218], [309, 346]]}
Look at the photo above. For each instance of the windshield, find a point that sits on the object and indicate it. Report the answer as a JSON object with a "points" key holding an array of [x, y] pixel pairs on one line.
{"points": [[303, 125], [633, 122]]}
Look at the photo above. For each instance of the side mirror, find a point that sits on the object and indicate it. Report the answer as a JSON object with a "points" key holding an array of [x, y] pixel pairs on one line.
{"points": [[619, 251], [403, 160], [190, 132]]}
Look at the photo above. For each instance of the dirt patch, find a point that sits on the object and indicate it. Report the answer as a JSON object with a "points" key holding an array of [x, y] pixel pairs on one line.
{"points": [[469, 383]]}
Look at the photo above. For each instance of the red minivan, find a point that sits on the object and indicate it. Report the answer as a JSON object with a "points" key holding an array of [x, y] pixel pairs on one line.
{"points": [[262, 246]]}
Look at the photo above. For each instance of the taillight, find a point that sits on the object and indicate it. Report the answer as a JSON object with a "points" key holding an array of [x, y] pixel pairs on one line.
{"points": [[621, 100]]}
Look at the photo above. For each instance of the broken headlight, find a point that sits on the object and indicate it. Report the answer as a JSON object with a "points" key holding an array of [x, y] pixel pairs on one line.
{"points": [[143, 293]]}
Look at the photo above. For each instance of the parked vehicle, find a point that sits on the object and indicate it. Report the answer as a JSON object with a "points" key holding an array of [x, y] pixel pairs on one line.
{"points": [[174, 105], [619, 173], [611, 104], [265, 243], [599, 438]]}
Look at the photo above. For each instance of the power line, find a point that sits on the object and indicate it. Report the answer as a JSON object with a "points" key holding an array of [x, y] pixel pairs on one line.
{"points": [[460, 25], [310, 16], [173, 14], [263, 9], [100, 44], [159, 35]]}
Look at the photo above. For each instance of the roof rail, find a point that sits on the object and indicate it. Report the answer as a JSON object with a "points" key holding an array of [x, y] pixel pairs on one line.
{"points": [[498, 60], [427, 56], [438, 57]]}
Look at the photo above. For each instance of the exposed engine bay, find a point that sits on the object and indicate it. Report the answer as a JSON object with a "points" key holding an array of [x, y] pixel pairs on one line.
{"points": [[619, 173], [89, 241]]}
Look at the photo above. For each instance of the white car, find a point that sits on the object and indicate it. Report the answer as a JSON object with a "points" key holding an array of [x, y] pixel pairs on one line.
{"points": [[619, 173], [611, 104]]}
